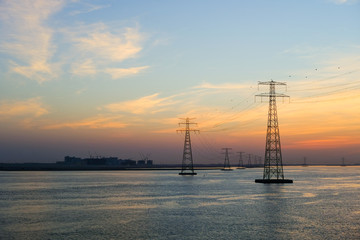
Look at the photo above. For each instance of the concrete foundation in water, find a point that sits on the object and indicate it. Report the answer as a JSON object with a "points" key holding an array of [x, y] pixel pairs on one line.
{"points": [[188, 173], [273, 181]]}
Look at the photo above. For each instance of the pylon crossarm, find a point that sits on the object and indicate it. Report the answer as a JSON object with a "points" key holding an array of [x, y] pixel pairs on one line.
{"points": [[271, 95]]}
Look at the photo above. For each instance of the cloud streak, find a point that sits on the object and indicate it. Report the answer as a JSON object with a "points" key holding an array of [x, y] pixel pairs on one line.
{"points": [[32, 107], [97, 122], [88, 8], [144, 105], [117, 73]]}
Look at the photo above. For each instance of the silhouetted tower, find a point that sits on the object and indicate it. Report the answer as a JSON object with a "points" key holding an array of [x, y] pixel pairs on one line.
{"points": [[273, 167], [187, 161], [343, 162], [249, 160], [241, 163], [305, 164], [226, 161]]}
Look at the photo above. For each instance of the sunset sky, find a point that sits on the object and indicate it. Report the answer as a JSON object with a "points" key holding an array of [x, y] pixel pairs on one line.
{"points": [[112, 78]]}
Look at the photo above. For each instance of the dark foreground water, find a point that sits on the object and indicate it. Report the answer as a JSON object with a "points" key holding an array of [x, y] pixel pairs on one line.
{"points": [[323, 203]]}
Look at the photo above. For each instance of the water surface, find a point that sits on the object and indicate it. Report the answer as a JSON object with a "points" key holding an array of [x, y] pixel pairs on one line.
{"points": [[322, 203]]}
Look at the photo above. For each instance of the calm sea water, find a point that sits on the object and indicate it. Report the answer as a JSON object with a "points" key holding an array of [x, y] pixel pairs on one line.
{"points": [[322, 203]]}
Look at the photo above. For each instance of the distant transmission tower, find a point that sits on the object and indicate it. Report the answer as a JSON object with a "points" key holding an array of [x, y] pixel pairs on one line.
{"points": [[241, 163], [187, 161], [343, 162], [305, 164], [226, 161], [273, 167], [249, 160]]}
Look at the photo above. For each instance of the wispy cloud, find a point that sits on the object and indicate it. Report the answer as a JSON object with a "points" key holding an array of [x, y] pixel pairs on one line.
{"points": [[107, 45], [123, 72], [96, 122], [84, 68], [105, 48], [32, 107], [87, 8], [27, 38], [148, 104]]}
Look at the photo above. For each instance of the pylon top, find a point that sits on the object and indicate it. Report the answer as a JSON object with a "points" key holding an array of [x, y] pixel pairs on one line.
{"points": [[272, 82], [187, 118], [272, 93], [187, 128]]}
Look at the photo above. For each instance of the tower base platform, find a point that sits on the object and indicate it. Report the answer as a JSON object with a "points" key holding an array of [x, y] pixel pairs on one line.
{"points": [[188, 173], [273, 181]]}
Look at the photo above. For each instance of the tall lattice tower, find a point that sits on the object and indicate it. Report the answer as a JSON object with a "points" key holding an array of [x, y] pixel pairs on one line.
{"points": [[187, 161], [249, 160], [226, 160], [273, 167], [241, 162]]}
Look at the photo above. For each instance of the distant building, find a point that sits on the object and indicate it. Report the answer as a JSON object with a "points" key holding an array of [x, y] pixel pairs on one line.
{"points": [[127, 162], [103, 161], [141, 162], [73, 161], [109, 161]]}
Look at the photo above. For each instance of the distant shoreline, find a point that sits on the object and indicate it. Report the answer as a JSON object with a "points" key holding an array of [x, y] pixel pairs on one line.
{"points": [[62, 167]]}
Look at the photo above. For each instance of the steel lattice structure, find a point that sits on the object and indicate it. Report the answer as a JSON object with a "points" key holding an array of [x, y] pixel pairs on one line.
{"points": [[241, 163], [227, 159], [187, 161], [273, 167], [249, 160]]}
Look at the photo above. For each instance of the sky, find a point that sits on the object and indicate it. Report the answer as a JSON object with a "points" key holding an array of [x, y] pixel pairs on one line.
{"points": [[112, 78]]}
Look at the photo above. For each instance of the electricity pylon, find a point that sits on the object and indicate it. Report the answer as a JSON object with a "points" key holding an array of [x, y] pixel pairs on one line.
{"points": [[256, 160], [343, 162], [305, 164], [241, 163], [226, 161], [249, 160], [273, 167], [187, 161]]}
